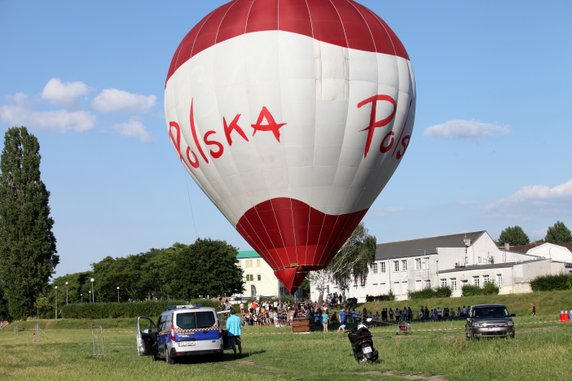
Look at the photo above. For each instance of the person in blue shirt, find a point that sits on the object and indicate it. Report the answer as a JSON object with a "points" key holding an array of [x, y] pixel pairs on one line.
{"points": [[343, 318], [234, 329]]}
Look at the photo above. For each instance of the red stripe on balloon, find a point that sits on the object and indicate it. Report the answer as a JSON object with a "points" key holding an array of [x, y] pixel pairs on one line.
{"points": [[344, 23], [290, 234]]}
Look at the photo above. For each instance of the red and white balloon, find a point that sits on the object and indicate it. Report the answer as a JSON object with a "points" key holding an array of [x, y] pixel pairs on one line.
{"points": [[291, 116]]}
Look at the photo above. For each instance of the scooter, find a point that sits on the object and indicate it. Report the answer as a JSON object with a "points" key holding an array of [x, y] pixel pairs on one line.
{"points": [[362, 345]]}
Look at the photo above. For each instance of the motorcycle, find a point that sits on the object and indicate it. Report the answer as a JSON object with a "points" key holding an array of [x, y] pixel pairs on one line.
{"points": [[362, 345]]}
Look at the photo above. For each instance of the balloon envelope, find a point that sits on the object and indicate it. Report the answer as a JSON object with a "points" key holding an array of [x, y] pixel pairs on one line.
{"points": [[291, 116]]}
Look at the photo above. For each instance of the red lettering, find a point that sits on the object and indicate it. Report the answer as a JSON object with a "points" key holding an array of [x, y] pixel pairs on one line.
{"points": [[233, 127], [386, 147], [405, 144], [270, 125], [373, 123], [176, 140], [194, 132], [215, 154], [194, 162]]}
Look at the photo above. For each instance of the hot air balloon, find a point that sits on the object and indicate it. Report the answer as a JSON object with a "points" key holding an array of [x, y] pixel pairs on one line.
{"points": [[291, 116]]}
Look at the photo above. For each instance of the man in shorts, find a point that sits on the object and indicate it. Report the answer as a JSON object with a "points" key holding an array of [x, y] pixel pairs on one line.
{"points": [[343, 318], [234, 329]]}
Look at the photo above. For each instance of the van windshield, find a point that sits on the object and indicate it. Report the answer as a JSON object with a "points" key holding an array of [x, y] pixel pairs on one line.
{"points": [[195, 320]]}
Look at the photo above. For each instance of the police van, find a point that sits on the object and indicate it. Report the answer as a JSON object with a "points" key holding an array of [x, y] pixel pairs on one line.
{"points": [[187, 330]]}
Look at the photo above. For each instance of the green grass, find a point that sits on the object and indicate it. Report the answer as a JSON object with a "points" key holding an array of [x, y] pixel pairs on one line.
{"points": [[433, 351]]}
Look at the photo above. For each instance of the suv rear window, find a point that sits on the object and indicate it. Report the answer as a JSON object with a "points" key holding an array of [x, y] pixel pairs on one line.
{"points": [[490, 312], [195, 320]]}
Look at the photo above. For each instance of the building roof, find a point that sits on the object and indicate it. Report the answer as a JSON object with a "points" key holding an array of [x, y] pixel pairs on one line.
{"points": [[247, 254], [424, 246], [523, 249], [490, 266]]}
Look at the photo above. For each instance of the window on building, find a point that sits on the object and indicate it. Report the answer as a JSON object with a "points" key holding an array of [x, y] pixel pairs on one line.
{"points": [[396, 266], [477, 281], [258, 263], [362, 282], [427, 284], [486, 279], [453, 284], [426, 263], [249, 263], [418, 264], [355, 282], [249, 277], [374, 268], [404, 265], [382, 267], [259, 277], [443, 282], [418, 285], [499, 280]]}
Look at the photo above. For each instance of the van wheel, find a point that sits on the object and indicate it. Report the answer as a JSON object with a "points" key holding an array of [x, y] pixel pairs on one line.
{"points": [[168, 357]]}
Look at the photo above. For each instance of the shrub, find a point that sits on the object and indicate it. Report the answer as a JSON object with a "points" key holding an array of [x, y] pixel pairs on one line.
{"points": [[443, 292], [490, 288], [423, 294], [551, 282], [471, 290], [383, 297]]}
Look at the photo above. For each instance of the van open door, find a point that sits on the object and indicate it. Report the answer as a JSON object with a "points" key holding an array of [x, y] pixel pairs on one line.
{"points": [[146, 337]]}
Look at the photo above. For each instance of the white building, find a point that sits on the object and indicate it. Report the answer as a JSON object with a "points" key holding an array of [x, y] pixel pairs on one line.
{"points": [[454, 261], [258, 276]]}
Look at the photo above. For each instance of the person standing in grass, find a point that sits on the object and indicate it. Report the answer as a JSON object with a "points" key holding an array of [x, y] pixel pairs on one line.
{"points": [[234, 329], [325, 320], [342, 327], [533, 310]]}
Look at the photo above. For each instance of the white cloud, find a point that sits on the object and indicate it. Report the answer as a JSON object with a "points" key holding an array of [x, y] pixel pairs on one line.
{"points": [[61, 93], [113, 100], [465, 129], [133, 129], [532, 200], [59, 120]]}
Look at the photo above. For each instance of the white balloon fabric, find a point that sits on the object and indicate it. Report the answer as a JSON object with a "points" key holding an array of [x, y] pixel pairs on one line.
{"points": [[291, 116]]}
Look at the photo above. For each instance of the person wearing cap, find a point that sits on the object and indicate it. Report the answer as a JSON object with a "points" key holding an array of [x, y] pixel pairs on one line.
{"points": [[234, 329]]}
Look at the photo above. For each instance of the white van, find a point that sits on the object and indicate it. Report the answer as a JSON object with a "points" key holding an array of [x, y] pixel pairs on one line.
{"points": [[188, 330]]}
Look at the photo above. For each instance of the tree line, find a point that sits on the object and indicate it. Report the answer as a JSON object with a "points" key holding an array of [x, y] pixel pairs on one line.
{"points": [[514, 235]]}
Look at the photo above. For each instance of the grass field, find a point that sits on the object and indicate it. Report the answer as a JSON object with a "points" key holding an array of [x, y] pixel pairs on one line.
{"points": [[542, 350]]}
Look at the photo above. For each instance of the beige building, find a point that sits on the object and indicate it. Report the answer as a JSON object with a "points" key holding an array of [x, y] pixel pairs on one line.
{"points": [[258, 276]]}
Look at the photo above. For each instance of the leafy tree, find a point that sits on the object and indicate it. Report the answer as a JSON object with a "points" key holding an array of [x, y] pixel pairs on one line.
{"points": [[27, 245], [558, 233], [513, 235], [353, 260], [206, 268]]}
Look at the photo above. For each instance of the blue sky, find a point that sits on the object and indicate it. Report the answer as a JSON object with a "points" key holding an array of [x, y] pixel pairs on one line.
{"points": [[490, 146]]}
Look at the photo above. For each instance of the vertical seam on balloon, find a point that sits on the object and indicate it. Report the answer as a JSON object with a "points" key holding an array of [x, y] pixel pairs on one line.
{"points": [[341, 23], [358, 10], [206, 19], [277, 226], [263, 249], [307, 234], [248, 16], [268, 235], [294, 230], [222, 19], [310, 18]]}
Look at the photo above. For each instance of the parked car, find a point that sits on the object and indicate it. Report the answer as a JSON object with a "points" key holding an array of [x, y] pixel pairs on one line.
{"points": [[489, 320], [188, 330]]}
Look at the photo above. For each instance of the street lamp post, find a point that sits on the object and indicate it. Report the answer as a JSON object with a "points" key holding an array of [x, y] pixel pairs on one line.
{"points": [[67, 292], [92, 292], [89, 296], [56, 305], [117, 294], [81, 297]]}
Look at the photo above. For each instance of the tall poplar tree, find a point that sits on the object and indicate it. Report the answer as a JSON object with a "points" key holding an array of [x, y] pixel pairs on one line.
{"points": [[27, 245]]}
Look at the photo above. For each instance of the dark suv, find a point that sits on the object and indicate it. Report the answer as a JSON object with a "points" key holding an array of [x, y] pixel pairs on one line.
{"points": [[489, 320]]}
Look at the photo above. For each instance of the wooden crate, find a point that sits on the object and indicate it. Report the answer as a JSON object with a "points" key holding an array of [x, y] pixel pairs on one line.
{"points": [[301, 325]]}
